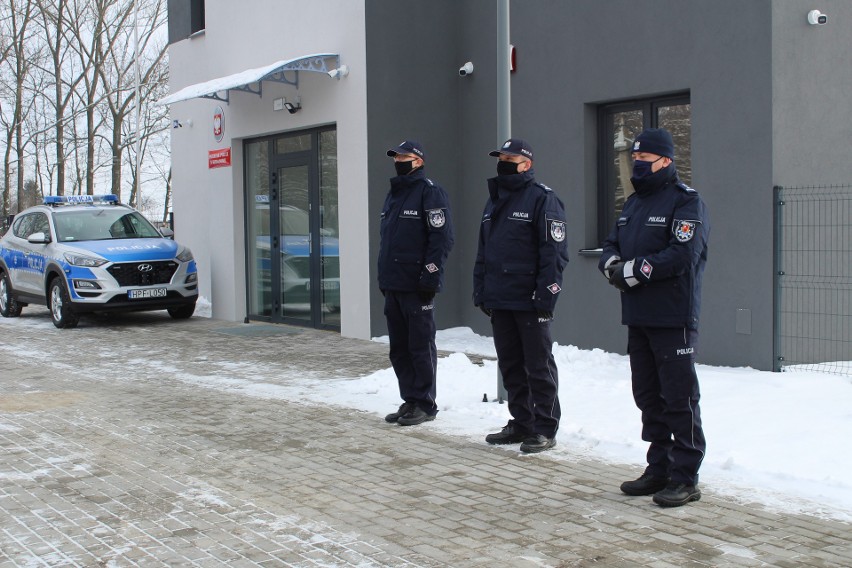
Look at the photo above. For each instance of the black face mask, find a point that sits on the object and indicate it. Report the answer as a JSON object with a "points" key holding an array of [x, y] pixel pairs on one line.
{"points": [[642, 168], [652, 181], [404, 168], [505, 168]]}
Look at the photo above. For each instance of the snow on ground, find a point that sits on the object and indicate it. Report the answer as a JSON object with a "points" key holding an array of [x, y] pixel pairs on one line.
{"points": [[779, 439]]}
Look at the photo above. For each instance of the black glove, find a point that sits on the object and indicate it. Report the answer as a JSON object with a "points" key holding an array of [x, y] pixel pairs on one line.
{"points": [[617, 278], [607, 271], [426, 296], [545, 315], [486, 311]]}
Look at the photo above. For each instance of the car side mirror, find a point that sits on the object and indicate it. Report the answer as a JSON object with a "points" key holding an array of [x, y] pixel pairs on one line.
{"points": [[38, 239], [167, 233]]}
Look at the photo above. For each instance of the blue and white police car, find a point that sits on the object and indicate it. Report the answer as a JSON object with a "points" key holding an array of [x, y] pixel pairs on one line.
{"points": [[83, 253]]}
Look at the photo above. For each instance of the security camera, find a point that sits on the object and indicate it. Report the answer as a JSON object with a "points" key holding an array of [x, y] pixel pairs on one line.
{"points": [[466, 69], [341, 71], [817, 18]]}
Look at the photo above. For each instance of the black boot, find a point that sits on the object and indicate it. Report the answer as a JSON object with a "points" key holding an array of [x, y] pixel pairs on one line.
{"points": [[414, 416], [647, 484], [508, 435], [394, 416], [537, 443], [677, 494]]}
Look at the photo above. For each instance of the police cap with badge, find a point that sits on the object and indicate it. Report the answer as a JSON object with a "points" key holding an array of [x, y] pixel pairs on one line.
{"points": [[514, 147]]}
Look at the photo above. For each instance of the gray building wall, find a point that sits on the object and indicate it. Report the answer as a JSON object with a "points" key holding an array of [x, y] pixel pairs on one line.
{"points": [[769, 105], [575, 55], [766, 91], [812, 82], [412, 92]]}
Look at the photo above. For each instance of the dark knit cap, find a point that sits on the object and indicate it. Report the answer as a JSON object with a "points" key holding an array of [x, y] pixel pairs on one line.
{"points": [[655, 141]]}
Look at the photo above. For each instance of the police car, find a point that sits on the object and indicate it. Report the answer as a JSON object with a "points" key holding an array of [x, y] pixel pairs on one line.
{"points": [[78, 254]]}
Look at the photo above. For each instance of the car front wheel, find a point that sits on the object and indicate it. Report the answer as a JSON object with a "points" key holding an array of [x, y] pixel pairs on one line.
{"points": [[182, 312], [60, 305], [9, 306]]}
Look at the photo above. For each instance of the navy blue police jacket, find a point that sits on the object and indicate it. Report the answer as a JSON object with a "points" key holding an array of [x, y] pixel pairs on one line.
{"points": [[664, 229], [416, 235], [522, 247]]}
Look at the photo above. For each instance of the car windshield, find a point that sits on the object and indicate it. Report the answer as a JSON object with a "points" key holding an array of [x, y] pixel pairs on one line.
{"points": [[102, 224]]}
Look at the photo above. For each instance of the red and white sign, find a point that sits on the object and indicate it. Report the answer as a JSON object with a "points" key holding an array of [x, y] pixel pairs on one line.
{"points": [[219, 158], [218, 124]]}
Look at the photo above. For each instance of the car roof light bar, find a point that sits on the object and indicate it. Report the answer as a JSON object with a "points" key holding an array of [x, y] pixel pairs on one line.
{"points": [[73, 199]]}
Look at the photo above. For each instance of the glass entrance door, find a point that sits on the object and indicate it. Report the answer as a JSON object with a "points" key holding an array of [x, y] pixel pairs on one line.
{"points": [[294, 274], [296, 239]]}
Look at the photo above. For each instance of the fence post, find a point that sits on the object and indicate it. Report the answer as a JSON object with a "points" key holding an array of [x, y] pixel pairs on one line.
{"points": [[777, 357]]}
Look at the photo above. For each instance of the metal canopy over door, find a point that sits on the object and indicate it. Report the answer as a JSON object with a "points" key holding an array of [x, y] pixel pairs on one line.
{"points": [[292, 229]]}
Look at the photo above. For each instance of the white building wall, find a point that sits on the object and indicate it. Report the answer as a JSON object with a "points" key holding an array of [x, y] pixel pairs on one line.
{"points": [[208, 204]]}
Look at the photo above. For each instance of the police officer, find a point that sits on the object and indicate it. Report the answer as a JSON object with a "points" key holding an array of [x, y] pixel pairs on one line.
{"points": [[516, 282], [416, 237], [655, 256]]}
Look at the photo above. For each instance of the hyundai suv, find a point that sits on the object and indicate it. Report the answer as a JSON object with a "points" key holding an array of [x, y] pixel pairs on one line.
{"points": [[79, 254]]}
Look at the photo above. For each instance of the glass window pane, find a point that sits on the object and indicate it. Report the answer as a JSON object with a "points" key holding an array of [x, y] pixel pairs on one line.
{"points": [[292, 144], [296, 239], [620, 123], [626, 126], [676, 119], [258, 230], [329, 229]]}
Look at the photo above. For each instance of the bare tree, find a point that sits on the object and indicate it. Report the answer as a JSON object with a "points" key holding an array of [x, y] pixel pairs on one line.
{"points": [[66, 73], [119, 70], [20, 55], [67, 90]]}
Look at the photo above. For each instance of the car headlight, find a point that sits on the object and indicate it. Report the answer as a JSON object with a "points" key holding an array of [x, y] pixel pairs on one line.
{"points": [[83, 260], [184, 255]]}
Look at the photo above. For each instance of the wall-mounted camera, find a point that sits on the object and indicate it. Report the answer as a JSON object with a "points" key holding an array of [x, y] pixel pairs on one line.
{"points": [[293, 108], [341, 71], [466, 69], [817, 18]]}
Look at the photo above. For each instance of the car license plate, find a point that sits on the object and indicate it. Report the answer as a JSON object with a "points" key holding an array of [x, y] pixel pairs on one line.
{"points": [[141, 294]]}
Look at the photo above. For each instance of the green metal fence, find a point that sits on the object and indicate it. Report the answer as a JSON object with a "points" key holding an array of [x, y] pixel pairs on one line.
{"points": [[813, 278]]}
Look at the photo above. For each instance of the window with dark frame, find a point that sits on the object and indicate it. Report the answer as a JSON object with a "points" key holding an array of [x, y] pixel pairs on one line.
{"points": [[196, 16], [618, 125]]}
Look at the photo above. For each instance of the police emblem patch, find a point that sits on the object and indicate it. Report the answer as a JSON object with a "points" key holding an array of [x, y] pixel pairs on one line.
{"points": [[437, 218], [557, 231], [431, 267], [554, 288], [684, 230], [646, 269]]}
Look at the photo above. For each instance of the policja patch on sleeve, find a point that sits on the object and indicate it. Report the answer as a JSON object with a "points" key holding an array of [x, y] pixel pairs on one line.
{"points": [[684, 230], [557, 230], [437, 218]]}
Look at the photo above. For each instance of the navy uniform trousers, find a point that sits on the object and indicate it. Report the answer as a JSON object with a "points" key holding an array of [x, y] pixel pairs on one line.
{"points": [[411, 329], [665, 388], [525, 357]]}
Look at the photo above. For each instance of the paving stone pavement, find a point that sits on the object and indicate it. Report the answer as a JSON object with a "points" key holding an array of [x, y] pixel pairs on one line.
{"points": [[113, 452]]}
